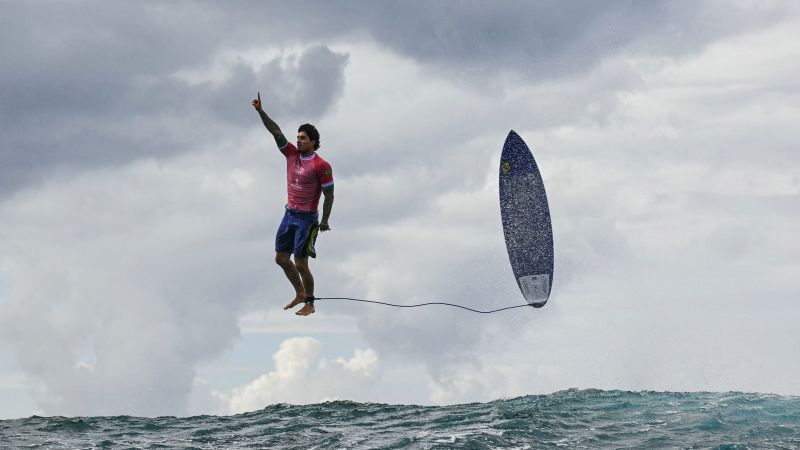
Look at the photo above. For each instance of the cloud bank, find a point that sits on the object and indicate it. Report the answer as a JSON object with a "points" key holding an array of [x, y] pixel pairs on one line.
{"points": [[139, 195], [301, 376]]}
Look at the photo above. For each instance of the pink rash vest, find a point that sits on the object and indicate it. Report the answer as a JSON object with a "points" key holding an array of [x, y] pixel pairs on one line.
{"points": [[306, 176]]}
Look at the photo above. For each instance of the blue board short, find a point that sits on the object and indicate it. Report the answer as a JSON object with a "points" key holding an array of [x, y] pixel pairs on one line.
{"points": [[297, 233]]}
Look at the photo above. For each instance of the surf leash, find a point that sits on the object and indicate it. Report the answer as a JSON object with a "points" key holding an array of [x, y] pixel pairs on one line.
{"points": [[421, 304]]}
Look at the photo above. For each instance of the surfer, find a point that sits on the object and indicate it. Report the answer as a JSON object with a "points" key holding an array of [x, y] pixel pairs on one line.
{"points": [[307, 175]]}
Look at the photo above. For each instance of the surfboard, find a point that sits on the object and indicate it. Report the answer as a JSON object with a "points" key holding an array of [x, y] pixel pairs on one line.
{"points": [[526, 221]]}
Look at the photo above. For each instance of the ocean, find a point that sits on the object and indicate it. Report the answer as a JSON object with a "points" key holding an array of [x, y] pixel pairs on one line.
{"points": [[567, 419]]}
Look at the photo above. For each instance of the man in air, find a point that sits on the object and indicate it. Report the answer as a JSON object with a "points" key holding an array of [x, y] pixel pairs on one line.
{"points": [[307, 175]]}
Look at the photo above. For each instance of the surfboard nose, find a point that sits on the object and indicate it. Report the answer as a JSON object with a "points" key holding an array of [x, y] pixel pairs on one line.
{"points": [[512, 138]]}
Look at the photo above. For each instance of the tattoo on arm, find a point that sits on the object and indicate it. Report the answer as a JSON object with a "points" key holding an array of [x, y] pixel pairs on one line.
{"points": [[327, 205], [273, 128]]}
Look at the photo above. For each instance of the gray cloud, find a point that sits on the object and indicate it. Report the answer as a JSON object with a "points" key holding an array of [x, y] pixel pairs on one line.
{"points": [[89, 85], [116, 313], [148, 264], [538, 40], [543, 39]]}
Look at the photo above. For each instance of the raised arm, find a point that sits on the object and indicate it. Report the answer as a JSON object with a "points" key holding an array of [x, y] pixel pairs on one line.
{"points": [[272, 127]]}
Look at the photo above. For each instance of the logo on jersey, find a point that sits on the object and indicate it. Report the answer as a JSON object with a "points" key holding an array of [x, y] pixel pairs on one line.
{"points": [[505, 167]]}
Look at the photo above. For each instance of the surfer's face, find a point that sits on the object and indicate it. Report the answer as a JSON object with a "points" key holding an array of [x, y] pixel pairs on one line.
{"points": [[304, 144]]}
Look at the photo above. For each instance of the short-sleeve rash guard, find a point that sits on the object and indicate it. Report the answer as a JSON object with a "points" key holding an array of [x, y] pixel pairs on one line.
{"points": [[306, 176]]}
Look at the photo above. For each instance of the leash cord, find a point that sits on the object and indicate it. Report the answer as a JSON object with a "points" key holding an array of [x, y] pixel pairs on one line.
{"points": [[421, 304]]}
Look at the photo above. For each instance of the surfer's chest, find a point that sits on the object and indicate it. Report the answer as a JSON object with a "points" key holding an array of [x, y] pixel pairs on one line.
{"points": [[302, 171]]}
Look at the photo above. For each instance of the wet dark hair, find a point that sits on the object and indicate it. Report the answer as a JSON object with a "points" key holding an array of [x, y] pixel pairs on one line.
{"points": [[311, 132]]}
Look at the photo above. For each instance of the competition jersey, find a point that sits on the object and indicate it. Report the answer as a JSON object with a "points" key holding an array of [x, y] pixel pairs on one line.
{"points": [[305, 177]]}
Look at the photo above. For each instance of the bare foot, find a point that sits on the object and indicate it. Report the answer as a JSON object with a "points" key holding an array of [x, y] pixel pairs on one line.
{"points": [[306, 310], [299, 298]]}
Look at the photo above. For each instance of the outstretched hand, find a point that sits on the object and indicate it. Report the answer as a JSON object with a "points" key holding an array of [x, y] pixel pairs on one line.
{"points": [[257, 102]]}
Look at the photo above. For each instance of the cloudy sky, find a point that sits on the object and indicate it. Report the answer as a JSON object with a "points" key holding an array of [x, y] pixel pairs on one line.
{"points": [[140, 193]]}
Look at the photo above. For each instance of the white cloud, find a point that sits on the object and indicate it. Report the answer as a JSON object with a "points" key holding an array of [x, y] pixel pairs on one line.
{"points": [[300, 376], [670, 234], [672, 180], [127, 278]]}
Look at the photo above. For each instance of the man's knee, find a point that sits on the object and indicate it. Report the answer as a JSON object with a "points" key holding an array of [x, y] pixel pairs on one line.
{"points": [[282, 259]]}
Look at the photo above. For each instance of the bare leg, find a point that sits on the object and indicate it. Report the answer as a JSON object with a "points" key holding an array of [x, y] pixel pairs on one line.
{"points": [[283, 260], [308, 282], [305, 275]]}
